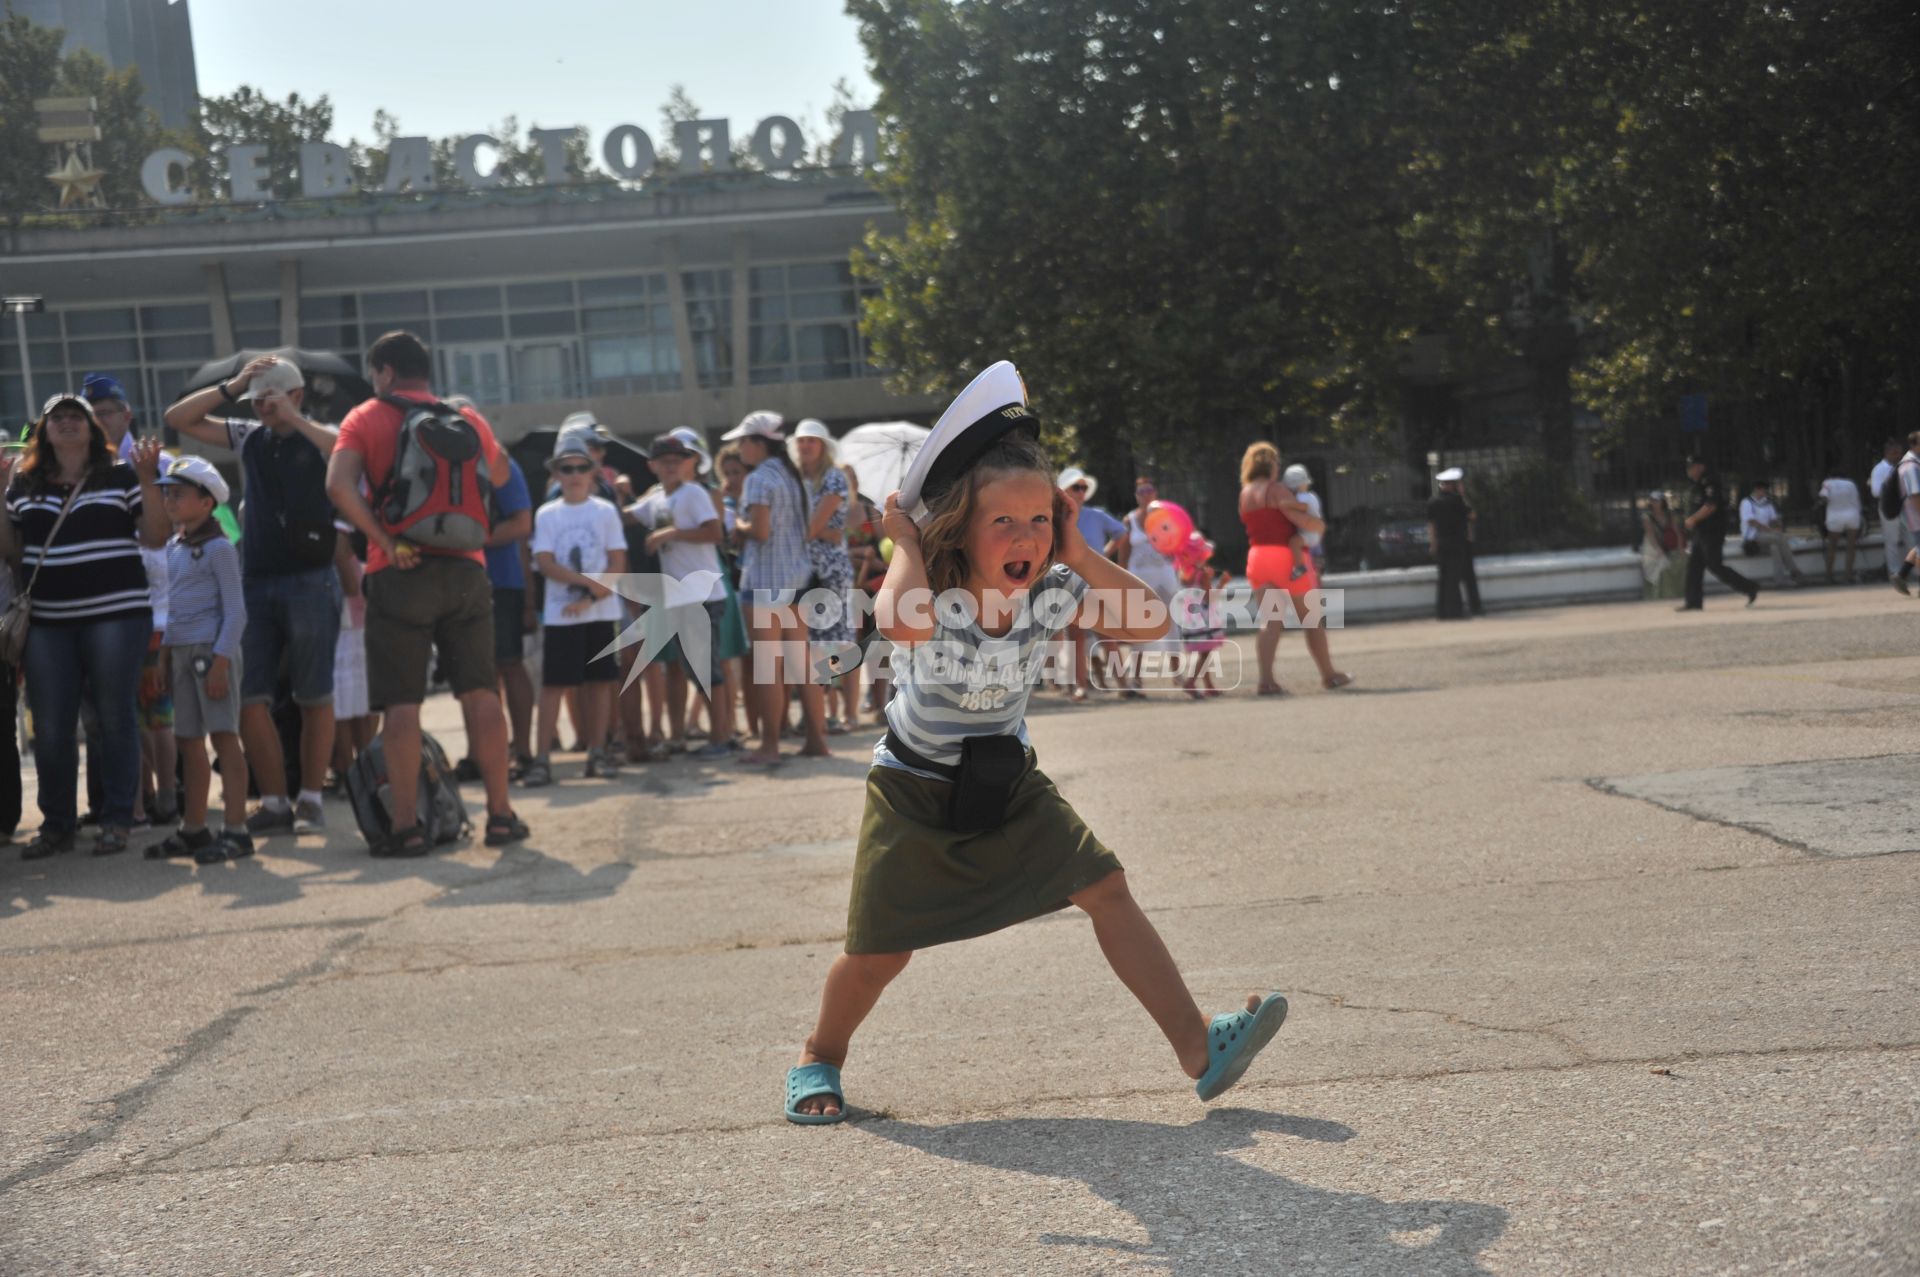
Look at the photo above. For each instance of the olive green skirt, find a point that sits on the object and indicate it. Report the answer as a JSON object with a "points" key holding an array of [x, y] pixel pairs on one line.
{"points": [[917, 883]]}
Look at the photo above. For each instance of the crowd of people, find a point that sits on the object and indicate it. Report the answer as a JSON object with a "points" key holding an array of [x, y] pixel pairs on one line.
{"points": [[292, 628], [1677, 551]]}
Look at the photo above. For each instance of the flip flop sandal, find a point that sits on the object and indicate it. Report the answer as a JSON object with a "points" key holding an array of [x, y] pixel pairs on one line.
{"points": [[180, 844], [406, 844], [1337, 682], [1234, 1040], [502, 830], [808, 1080]]}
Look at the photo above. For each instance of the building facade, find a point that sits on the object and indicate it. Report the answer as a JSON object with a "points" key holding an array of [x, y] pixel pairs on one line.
{"points": [[155, 36], [689, 302]]}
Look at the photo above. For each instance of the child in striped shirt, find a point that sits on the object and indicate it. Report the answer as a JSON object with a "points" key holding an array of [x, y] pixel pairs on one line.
{"points": [[206, 616]]}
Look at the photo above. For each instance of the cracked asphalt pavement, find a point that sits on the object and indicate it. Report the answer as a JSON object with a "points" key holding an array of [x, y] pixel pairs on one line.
{"points": [[1598, 925]]}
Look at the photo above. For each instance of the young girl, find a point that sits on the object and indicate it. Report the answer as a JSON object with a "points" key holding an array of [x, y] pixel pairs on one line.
{"points": [[963, 834], [1203, 630], [205, 622]]}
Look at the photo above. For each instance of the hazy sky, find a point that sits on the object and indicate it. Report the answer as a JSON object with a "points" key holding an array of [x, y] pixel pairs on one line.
{"points": [[446, 68]]}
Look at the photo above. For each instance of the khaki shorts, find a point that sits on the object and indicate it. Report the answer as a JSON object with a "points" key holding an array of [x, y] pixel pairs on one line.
{"points": [[445, 603], [195, 713]]}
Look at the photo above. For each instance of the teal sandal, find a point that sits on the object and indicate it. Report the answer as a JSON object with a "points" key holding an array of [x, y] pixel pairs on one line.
{"points": [[1234, 1040], [804, 1082]]}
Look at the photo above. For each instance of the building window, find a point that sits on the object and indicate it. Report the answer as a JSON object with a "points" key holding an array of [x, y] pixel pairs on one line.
{"points": [[256, 323], [710, 318], [630, 346], [804, 324]]}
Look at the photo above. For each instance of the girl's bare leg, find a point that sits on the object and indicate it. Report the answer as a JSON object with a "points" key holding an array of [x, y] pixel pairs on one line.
{"points": [[854, 985], [1139, 957]]}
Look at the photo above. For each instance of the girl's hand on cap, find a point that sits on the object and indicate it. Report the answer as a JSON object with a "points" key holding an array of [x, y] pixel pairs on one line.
{"points": [[897, 524]]}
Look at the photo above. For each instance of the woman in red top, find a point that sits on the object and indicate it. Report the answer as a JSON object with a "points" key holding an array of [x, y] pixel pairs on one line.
{"points": [[1272, 515]]}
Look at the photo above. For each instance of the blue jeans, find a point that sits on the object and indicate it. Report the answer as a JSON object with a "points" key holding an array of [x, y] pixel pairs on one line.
{"points": [[292, 618], [100, 660]]}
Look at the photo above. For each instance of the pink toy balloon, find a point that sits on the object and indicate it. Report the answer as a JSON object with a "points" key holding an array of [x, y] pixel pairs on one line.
{"points": [[1168, 526]]}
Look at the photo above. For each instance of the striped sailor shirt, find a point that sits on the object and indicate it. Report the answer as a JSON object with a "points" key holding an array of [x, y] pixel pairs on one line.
{"points": [[963, 683], [93, 570]]}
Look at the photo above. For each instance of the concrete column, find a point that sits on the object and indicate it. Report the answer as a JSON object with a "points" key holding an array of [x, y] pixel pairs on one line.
{"points": [[223, 339], [742, 366], [290, 302], [682, 330]]}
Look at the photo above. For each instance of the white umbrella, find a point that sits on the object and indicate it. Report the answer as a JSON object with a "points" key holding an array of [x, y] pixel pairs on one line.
{"points": [[880, 454]]}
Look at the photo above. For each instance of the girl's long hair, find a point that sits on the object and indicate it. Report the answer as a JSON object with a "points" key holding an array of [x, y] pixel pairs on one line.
{"points": [[39, 467], [943, 541], [1261, 461]]}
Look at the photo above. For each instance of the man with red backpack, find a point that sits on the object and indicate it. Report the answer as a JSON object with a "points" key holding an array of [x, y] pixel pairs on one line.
{"points": [[430, 470]]}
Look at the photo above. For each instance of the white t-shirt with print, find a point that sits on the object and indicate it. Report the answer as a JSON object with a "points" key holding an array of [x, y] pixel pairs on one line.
{"points": [[581, 537], [686, 507]]}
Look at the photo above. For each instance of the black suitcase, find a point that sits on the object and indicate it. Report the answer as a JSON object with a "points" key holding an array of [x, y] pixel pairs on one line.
{"points": [[442, 812]]}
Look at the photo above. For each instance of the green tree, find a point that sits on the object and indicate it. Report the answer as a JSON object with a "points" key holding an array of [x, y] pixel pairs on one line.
{"points": [[249, 116], [1189, 234], [29, 69]]}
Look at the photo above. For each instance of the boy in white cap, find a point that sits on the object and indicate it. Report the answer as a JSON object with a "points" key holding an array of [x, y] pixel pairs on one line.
{"points": [[207, 615]]}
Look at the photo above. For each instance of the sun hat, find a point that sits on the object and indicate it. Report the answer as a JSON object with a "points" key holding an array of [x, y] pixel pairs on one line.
{"points": [[812, 429], [1074, 474]]}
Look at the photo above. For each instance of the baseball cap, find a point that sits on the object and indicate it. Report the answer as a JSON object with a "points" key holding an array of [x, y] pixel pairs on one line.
{"points": [[96, 386], [197, 472], [68, 397], [275, 379], [761, 424], [670, 444]]}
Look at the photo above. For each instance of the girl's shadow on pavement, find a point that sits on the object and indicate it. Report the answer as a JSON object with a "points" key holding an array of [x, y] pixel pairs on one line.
{"points": [[1208, 1213]]}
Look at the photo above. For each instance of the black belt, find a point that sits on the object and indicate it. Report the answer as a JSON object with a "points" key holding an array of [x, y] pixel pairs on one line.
{"points": [[919, 762]]}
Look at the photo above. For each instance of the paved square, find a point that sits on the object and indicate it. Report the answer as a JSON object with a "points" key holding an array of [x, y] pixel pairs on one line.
{"points": [[1826, 807], [1540, 1025]]}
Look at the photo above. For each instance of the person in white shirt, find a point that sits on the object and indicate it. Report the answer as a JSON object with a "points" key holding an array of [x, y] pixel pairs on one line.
{"points": [[1760, 524], [1843, 521], [1893, 532], [686, 535], [1908, 477], [577, 538]]}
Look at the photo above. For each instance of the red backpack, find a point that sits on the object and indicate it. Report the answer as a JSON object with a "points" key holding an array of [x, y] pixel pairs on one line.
{"points": [[439, 493]]}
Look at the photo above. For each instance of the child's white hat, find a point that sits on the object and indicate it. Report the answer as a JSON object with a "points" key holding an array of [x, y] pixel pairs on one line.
{"points": [[993, 405], [1297, 478]]}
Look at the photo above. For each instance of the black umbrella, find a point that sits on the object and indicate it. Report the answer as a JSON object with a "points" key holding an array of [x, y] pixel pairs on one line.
{"points": [[533, 449], [333, 384]]}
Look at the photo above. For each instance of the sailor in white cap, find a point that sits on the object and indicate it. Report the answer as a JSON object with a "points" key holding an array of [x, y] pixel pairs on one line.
{"points": [[1450, 532], [954, 780]]}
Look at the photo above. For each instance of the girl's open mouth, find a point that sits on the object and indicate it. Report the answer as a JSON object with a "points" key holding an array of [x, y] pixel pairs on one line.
{"points": [[1019, 570]]}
